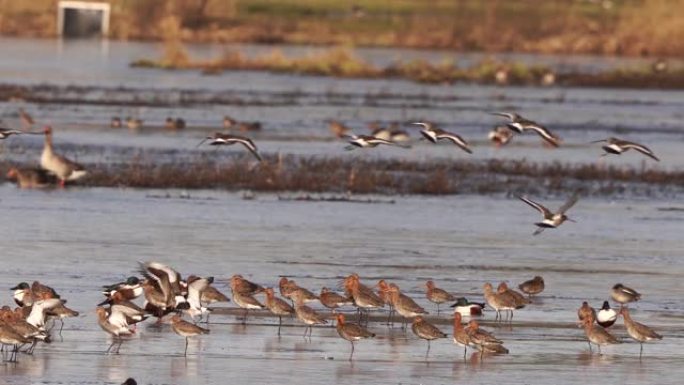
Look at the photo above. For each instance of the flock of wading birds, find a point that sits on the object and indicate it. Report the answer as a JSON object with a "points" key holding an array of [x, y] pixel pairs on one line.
{"points": [[165, 292]]}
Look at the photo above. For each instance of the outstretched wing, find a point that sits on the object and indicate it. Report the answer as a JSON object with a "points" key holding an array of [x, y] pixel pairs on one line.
{"points": [[544, 133], [567, 205], [639, 147], [457, 140], [543, 210]]}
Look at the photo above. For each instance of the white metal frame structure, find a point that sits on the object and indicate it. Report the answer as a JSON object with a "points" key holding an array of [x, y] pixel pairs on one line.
{"points": [[63, 5]]}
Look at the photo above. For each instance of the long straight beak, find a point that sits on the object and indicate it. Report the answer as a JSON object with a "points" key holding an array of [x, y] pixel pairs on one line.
{"points": [[571, 220], [598, 141]]}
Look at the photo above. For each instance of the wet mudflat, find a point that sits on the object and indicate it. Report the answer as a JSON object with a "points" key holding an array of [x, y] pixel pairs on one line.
{"points": [[76, 240]]}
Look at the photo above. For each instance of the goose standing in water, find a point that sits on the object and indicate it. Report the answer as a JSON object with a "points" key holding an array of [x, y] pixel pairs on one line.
{"points": [[63, 168]]}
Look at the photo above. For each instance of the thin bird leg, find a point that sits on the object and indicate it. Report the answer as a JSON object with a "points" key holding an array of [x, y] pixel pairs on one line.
{"points": [[428, 349], [60, 330], [280, 322], [185, 353], [352, 351]]}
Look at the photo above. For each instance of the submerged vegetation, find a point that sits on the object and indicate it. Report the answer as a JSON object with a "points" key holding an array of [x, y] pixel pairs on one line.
{"points": [[615, 27], [343, 62]]}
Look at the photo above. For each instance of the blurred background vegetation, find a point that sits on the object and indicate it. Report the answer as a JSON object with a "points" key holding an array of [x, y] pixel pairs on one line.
{"points": [[612, 27]]}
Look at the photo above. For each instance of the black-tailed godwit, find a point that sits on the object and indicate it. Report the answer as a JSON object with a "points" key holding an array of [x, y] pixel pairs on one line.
{"points": [[186, 329], [533, 286], [639, 332], [618, 146], [437, 295], [425, 330], [351, 332], [551, 220]]}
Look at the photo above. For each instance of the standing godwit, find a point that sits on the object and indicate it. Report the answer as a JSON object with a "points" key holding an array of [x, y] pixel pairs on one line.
{"points": [[585, 311], [16, 321], [484, 340], [186, 329], [26, 119], [247, 302], [116, 331], [385, 294], [332, 300], [466, 308], [243, 286], [364, 298], [623, 294], [288, 287], [30, 178], [219, 139], [63, 168], [461, 337], [338, 128], [520, 125], [351, 332], [9, 337], [637, 331], [425, 330], [597, 335], [437, 295], [618, 146], [500, 135], [520, 300], [277, 306], [498, 301], [434, 134], [532, 287], [405, 305], [212, 295], [550, 219], [306, 314], [606, 316]]}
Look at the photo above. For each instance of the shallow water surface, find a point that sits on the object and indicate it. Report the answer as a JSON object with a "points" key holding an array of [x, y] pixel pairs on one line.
{"points": [[78, 239]]}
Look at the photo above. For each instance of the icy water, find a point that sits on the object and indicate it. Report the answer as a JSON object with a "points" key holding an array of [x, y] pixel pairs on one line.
{"points": [[78, 239]]}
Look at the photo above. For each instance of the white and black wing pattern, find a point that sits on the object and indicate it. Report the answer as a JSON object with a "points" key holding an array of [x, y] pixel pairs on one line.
{"points": [[543, 210], [543, 132], [638, 147], [457, 140], [567, 205]]}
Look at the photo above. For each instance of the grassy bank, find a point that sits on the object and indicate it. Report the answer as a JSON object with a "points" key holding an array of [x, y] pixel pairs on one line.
{"points": [[615, 27], [343, 62], [388, 177]]}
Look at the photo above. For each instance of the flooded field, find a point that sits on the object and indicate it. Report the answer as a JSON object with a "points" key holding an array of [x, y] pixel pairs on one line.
{"points": [[77, 239]]}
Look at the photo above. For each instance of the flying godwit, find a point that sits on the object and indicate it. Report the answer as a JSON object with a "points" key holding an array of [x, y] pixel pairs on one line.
{"points": [[637, 331], [186, 329], [367, 141], [351, 332], [405, 305], [532, 287], [435, 134], [550, 219], [618, 146], [437, 295], [277, 306], [498, 301], [7, 132], [219, 139], [606, 316], [520, 125], [63, 168], [461, 336], [306, 314], [597, 335], [425, 330], [623, 294], [466, 308]]}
